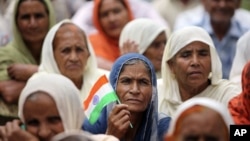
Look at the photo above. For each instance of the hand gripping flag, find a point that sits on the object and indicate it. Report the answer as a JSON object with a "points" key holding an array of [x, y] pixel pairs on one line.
{"points": [[100, 95]]}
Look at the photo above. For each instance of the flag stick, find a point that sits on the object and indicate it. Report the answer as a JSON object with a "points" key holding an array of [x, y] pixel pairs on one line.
{"points": [[119, 102]]}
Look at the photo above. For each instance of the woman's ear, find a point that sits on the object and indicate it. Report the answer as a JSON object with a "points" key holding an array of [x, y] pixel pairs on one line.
{"points": [[170, 63]]}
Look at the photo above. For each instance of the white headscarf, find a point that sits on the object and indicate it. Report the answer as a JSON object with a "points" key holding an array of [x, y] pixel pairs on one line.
{"points": [[169, 94], [241, 58], [76, 135], [143, 32], [48, 63], [205, 102], [64, 93], [179, 40]]}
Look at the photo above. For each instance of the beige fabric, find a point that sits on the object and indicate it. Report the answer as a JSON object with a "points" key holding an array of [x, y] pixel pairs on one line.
{"points": [[143, 32], [64, 93], [79, 135], [48, 63], [103, 137], [170, 9], [169, 96], [241, 58], [17, 52], [205, 102], [6, 14]]}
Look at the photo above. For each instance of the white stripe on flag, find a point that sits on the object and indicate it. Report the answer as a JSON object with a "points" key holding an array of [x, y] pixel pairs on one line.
{"points": [[104, 89]]}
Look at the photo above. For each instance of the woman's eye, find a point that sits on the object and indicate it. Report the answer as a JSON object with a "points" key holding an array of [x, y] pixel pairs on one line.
{"points": [[204, 53], [79, 49], [32, 122], [185, 54], [55, 119], [66, 50], [125, 81], [144, 82]]}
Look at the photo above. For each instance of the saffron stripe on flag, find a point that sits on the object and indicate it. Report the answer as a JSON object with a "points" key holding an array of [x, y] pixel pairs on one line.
{"points": [[100, 82], [100, 95]]}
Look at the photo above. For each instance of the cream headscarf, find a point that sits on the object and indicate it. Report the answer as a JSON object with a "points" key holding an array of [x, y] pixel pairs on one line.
{"points": [[205, 102], [179, 40], [76, 135], [17, 52], [48, 63], [169, 95], [143, 32], [241, 58], [64, 93]]}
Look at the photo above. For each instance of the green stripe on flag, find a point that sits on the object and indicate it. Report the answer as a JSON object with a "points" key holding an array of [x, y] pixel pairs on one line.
{"points": [[109, 97]]}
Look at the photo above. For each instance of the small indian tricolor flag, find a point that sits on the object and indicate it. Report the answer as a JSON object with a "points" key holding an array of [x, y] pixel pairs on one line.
{"points": [[100, 95]]}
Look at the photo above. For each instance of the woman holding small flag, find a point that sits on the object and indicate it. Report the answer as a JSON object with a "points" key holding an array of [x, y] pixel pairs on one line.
{"points": [[135, 114], [49, 107]]}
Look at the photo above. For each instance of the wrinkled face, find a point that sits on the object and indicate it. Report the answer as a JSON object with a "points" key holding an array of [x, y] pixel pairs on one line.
{"points": [[221, 11], [70, 51], [41, 116], [192, 65], [155, 51], [134, 87], [206, 126], [32, 21], [113, 16]]}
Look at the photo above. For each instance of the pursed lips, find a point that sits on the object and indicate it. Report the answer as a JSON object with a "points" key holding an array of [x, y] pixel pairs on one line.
{"points": [[195, 72], [73, 66], [134, 100]]}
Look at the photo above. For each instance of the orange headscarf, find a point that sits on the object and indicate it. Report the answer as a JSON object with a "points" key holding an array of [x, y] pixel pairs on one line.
{"points": [[103, 45], [239, 106]]}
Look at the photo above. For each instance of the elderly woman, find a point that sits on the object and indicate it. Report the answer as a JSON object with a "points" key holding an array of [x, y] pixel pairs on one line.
{"points": [[200, 119], [239, 106], [66, 51], [134, 81], [109, 17], [146, 37], [49, 104], [191, 68], [32, 19]]}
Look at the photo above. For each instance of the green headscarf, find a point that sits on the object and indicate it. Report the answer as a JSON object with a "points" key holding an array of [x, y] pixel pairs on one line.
{"points": [[17, 52]]}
